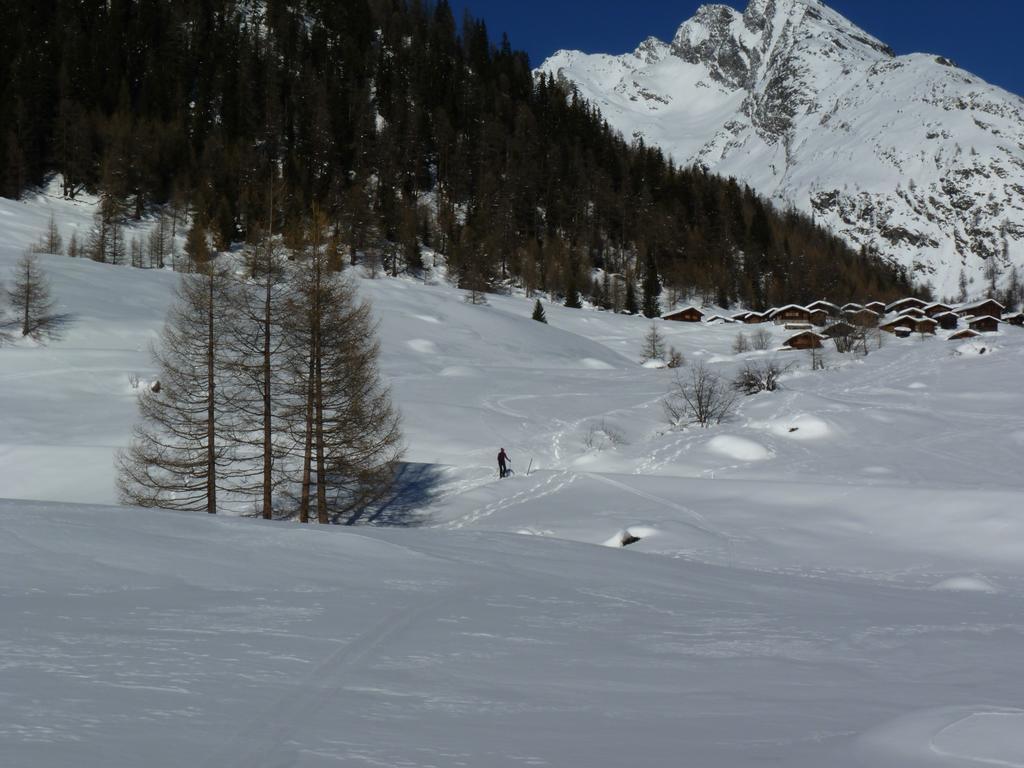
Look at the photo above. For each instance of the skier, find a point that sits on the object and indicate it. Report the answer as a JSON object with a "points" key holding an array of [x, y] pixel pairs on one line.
{"points": [[502, 458]]}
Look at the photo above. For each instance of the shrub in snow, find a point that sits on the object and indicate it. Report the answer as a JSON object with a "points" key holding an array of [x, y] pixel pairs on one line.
{"points": [[761, 340], [759, 378], [675, 358], [701, 398]]}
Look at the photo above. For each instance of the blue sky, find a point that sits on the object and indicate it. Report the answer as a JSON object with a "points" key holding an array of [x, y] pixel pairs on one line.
{"points": [[982, 36]]}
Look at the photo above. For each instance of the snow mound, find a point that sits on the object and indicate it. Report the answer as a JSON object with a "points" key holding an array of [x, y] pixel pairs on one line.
{"points": [[655, 364], [459, 371], [423, 346], [630, 535], [917, 385], [738, 448], [801, 427], [428, 319], [991, 738], [965, 584], [974, 349], [594, 364]]}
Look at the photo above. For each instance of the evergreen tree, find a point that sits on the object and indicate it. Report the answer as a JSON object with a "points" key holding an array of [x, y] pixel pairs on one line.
{"points": [[572, 296], [538, 312], [651, 290]]}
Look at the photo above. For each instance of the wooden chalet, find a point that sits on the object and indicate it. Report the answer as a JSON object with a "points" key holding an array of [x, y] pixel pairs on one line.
{"points": [[901, 306], [948, 321], [983, 308], [863, 317], [925, 325], [842, 328], [1016, 318], [719, 320], [685, 315], [826, 306], [741, 317], [791, 313], [755, 318], [914, 312], [851, 307], [966, 333], [819, 317], [903, 321], [937, 308], [878, 307], [985, 324], [805, 340]]}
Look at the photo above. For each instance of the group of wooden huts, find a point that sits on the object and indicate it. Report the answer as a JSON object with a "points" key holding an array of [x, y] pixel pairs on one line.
{"points": [[900, 318]]}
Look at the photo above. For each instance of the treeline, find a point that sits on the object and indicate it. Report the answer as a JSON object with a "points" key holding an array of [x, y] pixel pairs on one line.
{"points": [[407, 129], [268, 397]]}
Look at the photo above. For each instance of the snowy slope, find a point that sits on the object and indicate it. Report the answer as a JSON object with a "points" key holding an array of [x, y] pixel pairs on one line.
{"points": [[834, 577], [908, 154]]}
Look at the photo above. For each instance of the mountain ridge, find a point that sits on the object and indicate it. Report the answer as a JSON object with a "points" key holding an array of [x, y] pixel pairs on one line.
{"points": [[907, 155]]}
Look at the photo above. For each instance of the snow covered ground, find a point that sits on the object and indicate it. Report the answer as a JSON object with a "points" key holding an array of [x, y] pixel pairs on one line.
{"points": [[834, 577]]}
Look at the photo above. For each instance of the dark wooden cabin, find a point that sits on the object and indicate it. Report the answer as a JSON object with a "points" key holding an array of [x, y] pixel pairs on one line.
{"points": [[819, 316], [937, 308], [791, 313], [948, 321], [863, 317], [986, 324], [983, 308], [901, 306], [685, 315], [805, 340], [966, 333]]}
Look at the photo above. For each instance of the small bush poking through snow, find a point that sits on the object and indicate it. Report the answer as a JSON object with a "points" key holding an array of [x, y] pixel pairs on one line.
{"points": [[755, 378], [701, 398]]}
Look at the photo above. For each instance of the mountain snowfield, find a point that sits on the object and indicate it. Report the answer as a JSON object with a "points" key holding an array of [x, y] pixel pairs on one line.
{"points": [[834, 577], [907, 154]]}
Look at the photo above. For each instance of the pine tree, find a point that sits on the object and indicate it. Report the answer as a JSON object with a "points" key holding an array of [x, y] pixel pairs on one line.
{"points": [[538, 312], [183, 454], [572, 296], [651, 290], [32, 302]]}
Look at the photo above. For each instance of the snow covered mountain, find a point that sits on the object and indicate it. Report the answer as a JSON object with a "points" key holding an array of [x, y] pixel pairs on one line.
{"points": [[907, 154]]}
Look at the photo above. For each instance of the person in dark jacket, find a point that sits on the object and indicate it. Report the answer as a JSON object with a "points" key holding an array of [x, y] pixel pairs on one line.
{"points": [[502, 459]]}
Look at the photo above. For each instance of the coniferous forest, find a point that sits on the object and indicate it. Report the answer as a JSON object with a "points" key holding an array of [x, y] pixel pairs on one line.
{"points": [[407, 128]]}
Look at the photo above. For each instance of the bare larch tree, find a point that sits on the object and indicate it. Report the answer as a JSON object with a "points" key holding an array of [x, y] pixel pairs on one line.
{"points": [[183, 454]]}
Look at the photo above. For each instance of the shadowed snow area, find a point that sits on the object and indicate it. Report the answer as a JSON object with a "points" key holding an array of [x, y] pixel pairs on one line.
{"points": [[833, 577]]}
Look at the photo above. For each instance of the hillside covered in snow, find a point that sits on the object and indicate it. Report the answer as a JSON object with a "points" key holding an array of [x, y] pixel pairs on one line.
{"points": [[908, 155], [833, 576]]}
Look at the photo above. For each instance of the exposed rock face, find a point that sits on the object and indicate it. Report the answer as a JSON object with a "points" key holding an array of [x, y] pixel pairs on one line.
{"points": [[909, 155]]}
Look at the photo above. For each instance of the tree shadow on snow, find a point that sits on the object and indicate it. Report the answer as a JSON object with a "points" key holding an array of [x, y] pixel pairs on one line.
{"points": [[415, 488]]}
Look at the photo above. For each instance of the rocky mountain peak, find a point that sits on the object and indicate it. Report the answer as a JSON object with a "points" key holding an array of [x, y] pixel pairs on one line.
{"points": [[907, 155]]}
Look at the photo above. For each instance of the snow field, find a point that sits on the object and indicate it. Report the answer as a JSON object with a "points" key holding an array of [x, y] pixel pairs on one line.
{"points": [[832, 577]]}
